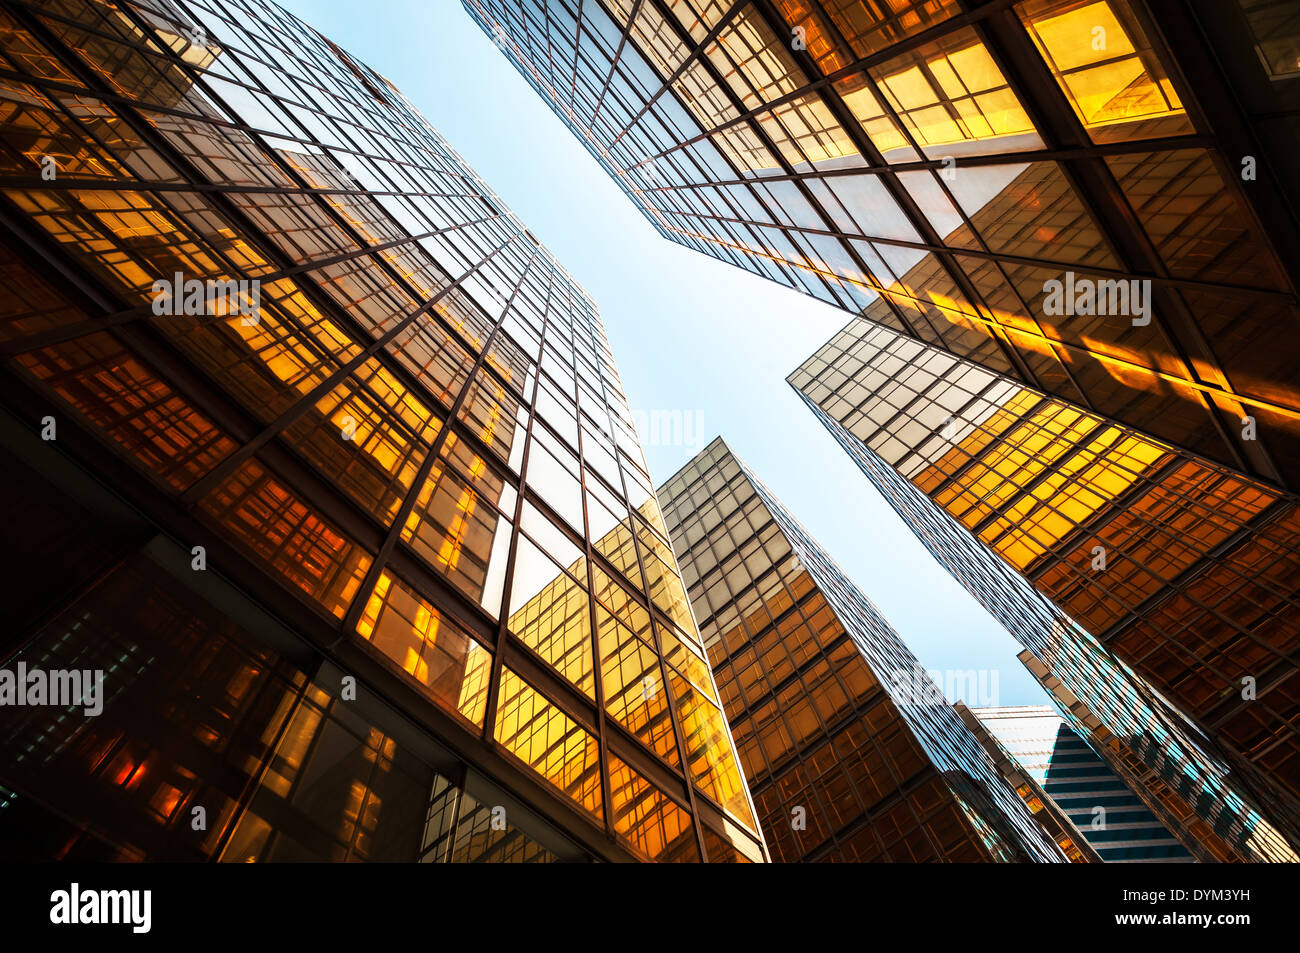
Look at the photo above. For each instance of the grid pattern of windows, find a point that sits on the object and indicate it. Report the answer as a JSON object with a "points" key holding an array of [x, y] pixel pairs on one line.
{"points": [[1186, 570], [843, 766], [1078, 782], [934, 164], [198, 714], [246, 263], [1221, 809]]}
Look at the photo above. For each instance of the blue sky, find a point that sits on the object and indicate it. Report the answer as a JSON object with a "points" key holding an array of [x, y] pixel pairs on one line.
{"points": [[689, 333]]}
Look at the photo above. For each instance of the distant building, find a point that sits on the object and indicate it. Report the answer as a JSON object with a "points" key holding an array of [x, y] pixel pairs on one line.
{"points": [[1055, 823], [851, 751], [1112, 818], [1202, 797]]}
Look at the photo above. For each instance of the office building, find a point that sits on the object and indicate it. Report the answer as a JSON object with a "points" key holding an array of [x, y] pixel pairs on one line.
{"points": [[1079, 783], [1094, 198], [851, 751], [321, 461], [1092, 201], [1055, 823], [1183, 569], [1218, 805]]}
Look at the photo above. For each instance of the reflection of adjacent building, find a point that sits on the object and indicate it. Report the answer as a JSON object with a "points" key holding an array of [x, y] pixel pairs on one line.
{"points": [[847, 756], [1185, 570], [1218, 807], [935, 163], [422, 421], [1071, 778]]}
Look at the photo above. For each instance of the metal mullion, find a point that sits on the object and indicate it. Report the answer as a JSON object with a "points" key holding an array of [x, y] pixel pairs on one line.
{"points": [[256, 782], [148, 133], [770, 146], [650, 764], [457, 784], [1234, 704], [115, 318], [1120, 503], [819, 81], [1056, 554], [869, 816], [293, 175], [90, 184], [1211, 663], [1215, 740], [1123, 147], [694, 55], [939, 248], [115, 99], [558, 691], [312, 622], [679, 735], [625, 35], [1179, 585], [154, 349], [379, 563], [893, 169], [837, 610], [1225, 549], [503, 622], [798, 752], [1215, 107], [1083, 152], [1099, 193], [588, 551], [309, 400], [903, 198], [577, 51]]}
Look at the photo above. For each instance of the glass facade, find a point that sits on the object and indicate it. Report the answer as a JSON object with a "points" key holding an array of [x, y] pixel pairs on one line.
{"points": [[851, 752], [338, 483], [937, 164], [1184, 569], [1219, 804], [1063, 228], [1102, 808], [1056, 823]]}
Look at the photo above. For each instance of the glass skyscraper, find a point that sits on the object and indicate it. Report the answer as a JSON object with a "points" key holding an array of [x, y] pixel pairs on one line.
{"points": [[851, 751], [1056, 823], [1067, 231], [1186, 570], [1218, 805], [944, 161], [323, 462], [1103, 809]]}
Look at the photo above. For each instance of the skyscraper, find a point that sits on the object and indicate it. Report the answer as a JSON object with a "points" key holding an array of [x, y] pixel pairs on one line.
{"points": [[1103, 809], [1090, 201], [851, 751], [1056, 823], [321, 462], [1182, 569], [1218, 806], [948, 165]]}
